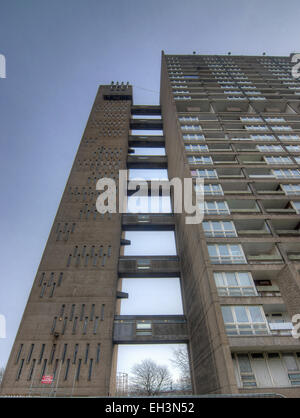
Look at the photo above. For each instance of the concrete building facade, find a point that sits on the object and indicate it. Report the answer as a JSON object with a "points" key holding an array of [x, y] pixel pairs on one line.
{"points": [[234, 121]]}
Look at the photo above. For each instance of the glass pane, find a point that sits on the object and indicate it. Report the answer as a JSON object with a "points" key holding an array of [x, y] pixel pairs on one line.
{"points": [[290, 362], [256, 314], [227, 314], [244, 363], [241, 314], [219, 279], [231, 279], [221, 205], [236, 250], [223, 250], [228, 225], [245, 279], [212, 250], [216, 226], [206, 226]]}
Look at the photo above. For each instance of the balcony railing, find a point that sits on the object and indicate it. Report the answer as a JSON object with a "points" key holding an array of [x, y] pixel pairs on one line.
{"points": [[281, 328]]}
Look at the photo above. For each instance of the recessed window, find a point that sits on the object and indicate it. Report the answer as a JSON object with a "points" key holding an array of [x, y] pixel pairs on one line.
{"points": [[226, 254], [245, 320], [219, 229], [235, 284]]}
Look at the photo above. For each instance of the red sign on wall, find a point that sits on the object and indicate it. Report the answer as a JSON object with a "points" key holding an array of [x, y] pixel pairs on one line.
{"points": [[47, 380]]}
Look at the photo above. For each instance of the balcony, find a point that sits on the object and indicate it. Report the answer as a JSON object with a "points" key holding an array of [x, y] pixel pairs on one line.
{"points": [[280, 206], [150, 329], [145, 110], [263, 343], [149, 266], [287, 227], [230, 173], [147, 161], [266, 285], [161, 187], [262, 253], [225, 159], [260, 173], [236, 188], [155, 222], [220, 148], [143, 124], [243, 206], [269, 188], [146, 141], [251, 227], [292, 250], [252, 159], [225, 105], [241, 147]]}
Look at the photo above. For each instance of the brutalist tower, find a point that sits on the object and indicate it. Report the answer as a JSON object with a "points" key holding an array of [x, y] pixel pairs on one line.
{"points": [[234, 121]]}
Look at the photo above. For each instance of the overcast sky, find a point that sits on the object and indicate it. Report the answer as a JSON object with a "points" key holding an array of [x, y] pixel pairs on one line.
{"points": [[58, 52]]}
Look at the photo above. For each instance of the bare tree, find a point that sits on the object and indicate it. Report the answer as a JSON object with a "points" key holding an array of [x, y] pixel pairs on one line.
{"points": [[149, 378], [181, 361]]}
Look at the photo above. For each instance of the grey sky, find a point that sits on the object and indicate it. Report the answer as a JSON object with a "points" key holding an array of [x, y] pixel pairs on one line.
{"points": [[57, 53]]}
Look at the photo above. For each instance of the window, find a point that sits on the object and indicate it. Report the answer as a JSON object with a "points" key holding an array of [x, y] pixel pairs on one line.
{"points": [[31, 370], [180, 92], [67, 369], [188, 118], [78, 370], [191, 128], [250, 119], [246, 373], [198, 147], [19, 353], [210, 189], [263, 137], [90, 370], [291, 189], [289, 137], [267, 369], [256, 128], [20, 369], [182, 98], [64, 353], [278, 160], [256, 98], [75, 353], [236, 98], [143, 328], [193, 137], [252, 92], [216, 208], [245, 320], [296, 205], [293, 148], [286, 173], [219, 229], [297, 159], [233, 92], [205, 173], [226, 254], [191, 76], [201, 159], [98, 353], [269, 148], [235, 284], [275, 119], [281, 128]]}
